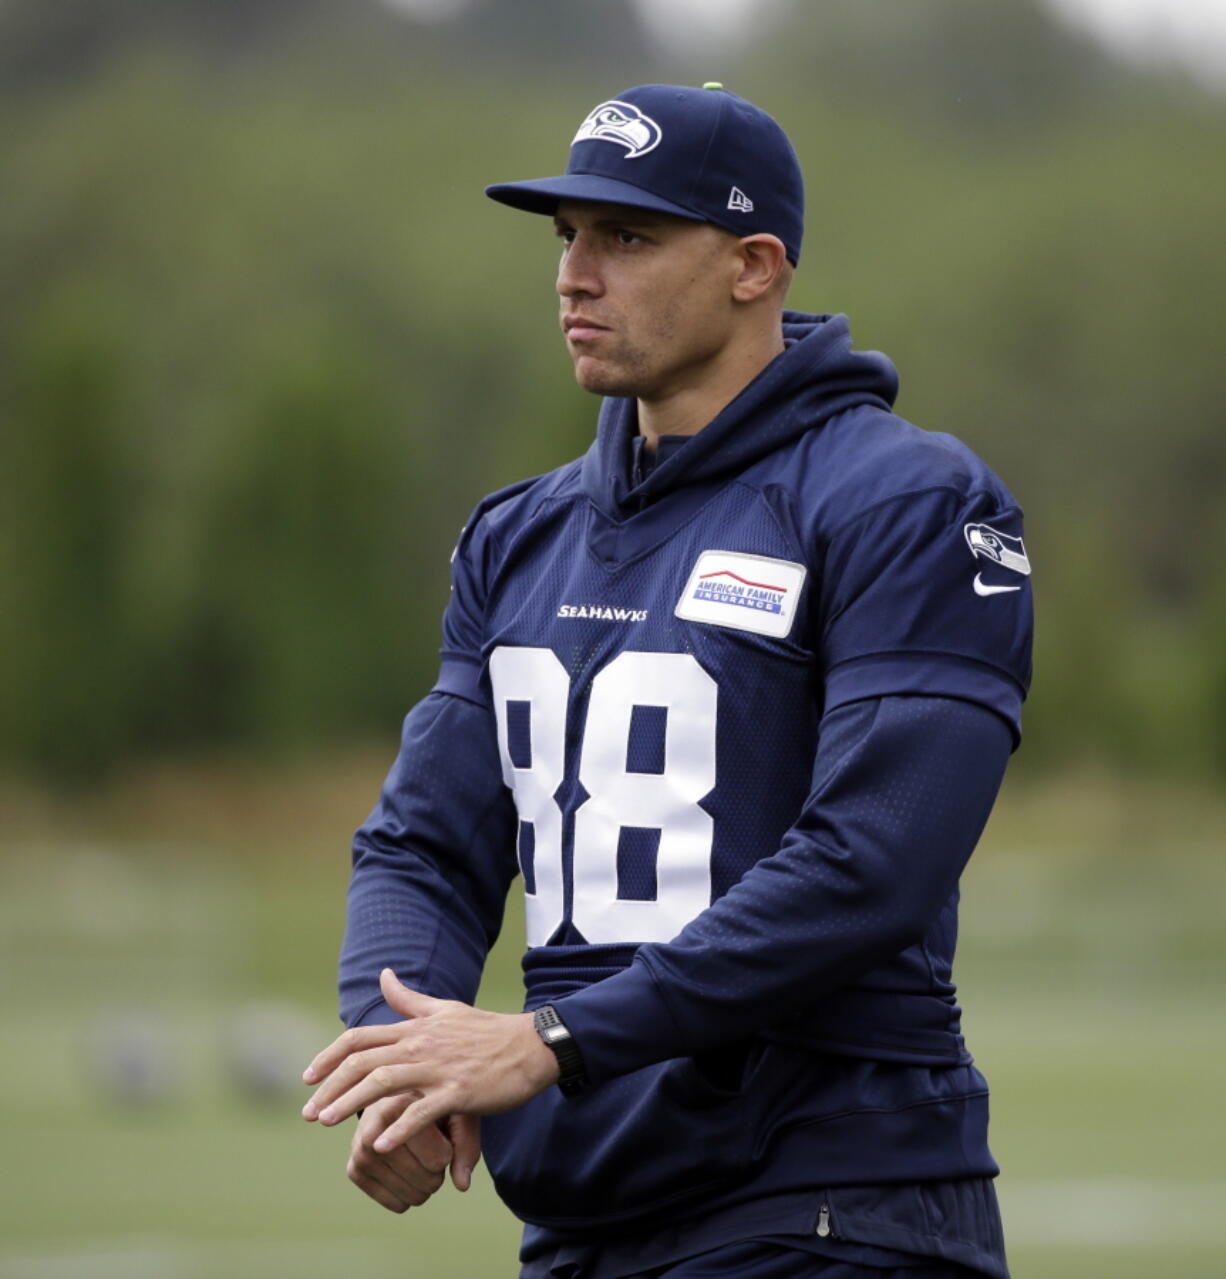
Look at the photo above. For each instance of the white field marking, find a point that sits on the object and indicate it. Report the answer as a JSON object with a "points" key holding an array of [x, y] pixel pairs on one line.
{"points": [[160, 1257], [1075, 1213], [1113, 1210]]}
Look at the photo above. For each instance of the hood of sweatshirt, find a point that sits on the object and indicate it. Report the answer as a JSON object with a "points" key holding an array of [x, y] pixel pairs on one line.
{"points": [[815, 377]]}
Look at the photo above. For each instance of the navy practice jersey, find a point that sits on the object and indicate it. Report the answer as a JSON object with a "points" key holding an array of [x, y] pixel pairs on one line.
{"points": [[709, 715]]}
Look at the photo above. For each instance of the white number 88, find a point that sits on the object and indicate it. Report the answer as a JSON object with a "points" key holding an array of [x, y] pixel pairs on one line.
{"points": [[666, 801]]}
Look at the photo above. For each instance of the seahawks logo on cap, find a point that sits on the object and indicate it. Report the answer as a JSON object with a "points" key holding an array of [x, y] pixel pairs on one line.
{"points": [[623, 124]]}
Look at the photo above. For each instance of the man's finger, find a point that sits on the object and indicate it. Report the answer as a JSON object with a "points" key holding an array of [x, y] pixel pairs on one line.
{"points": [[356, 1039], [412, 1172], [428, 1109], [465, 1131], [431, 1148], [374, 1168], [351, 1071], [404, 999], [375, 1189], [405, 1165], [398, 1172], [385, 1081], [425, 1155]]}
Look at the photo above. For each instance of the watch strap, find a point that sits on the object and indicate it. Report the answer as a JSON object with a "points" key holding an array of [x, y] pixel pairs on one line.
{"points": [[572, 1076]]}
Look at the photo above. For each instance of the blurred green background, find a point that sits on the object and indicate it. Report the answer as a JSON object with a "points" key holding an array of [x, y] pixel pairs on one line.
{"points": [[263, 345]]}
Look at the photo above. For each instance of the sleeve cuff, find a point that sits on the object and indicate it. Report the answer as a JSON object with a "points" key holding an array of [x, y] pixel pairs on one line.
{"points": [[927, 675], [621, 1024], [461, 677], [379, 1014]]}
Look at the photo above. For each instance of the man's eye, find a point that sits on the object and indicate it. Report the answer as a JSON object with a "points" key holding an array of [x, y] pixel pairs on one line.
{"points": [[628, 238]]}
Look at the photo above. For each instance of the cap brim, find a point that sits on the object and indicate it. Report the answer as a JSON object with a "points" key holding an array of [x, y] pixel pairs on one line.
{"points": [[542, 195]]}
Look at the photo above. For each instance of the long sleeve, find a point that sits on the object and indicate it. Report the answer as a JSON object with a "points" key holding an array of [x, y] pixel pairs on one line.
{"points": [[902, 787], [432, 864]]}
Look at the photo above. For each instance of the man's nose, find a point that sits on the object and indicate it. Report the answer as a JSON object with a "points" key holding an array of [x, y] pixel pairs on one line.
{"points": [[578, 272]]}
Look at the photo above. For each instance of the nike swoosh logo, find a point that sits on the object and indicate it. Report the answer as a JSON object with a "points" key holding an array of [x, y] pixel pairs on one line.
{"points": [[981, 587]]}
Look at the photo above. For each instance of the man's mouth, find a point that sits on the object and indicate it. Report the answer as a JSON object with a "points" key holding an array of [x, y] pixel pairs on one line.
{"points": [[578, 328]]}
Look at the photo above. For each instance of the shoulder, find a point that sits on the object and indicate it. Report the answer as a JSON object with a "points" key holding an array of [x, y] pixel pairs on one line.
{"points": [[497, 516], [479, 553], [869, 458]]}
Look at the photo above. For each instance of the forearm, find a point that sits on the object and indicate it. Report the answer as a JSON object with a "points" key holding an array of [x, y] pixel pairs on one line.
{"points": [[902, 789], [432, 864]]}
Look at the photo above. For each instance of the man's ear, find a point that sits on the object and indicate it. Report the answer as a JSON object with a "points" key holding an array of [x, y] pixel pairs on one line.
{"points": [[762, 261]]}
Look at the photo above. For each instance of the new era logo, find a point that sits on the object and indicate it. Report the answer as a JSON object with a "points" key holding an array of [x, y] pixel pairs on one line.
{"points": [[739, 201]]}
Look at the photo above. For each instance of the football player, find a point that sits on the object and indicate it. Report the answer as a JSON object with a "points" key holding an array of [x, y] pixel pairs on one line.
{"points": [[733, 693]]}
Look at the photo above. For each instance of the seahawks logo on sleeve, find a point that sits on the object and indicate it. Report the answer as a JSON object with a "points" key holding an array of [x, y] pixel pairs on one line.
{"points": [[1000, 551]]}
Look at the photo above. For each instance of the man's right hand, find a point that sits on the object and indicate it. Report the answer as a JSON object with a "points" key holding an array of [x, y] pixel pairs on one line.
{"points": [[408, 1175]]}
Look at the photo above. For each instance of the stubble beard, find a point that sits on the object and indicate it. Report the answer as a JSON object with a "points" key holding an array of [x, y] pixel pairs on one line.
{"points": [[627, 374]]}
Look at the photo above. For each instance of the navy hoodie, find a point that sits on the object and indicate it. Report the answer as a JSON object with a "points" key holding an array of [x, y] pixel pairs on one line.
{"points": [[794, 655]]}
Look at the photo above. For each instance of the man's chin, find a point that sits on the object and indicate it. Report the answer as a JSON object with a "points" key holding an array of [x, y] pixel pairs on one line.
{"points": [[599, 379]]}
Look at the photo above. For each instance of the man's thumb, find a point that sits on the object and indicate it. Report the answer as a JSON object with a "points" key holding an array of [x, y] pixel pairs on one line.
{"points": [[407, 1002]]}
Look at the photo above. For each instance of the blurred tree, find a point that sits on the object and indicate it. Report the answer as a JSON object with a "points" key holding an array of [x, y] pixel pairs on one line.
{"points": [[556, 35], [961, 64], [69, 39], [69, 484], [74, 38], [263, 345], [297, 626]]}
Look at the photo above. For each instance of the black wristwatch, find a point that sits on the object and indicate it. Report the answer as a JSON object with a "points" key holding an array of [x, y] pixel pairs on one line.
{"points": [[572, 1078]]}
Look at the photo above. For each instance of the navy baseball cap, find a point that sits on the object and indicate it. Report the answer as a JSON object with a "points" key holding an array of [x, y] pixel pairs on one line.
{"points": [[703, 154]]}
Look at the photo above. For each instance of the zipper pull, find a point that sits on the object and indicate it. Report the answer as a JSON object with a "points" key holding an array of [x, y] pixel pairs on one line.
{"points": [[823, 1220]]}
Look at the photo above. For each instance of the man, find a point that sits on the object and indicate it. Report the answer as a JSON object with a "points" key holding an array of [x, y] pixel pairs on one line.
{"points": [[735, 693]]}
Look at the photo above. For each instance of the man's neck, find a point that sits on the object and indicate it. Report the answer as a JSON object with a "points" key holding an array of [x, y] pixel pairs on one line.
{"points": [[687, 409]]}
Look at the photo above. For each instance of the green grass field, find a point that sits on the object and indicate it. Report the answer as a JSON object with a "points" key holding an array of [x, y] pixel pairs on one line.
{"points": [[1092, 966]]}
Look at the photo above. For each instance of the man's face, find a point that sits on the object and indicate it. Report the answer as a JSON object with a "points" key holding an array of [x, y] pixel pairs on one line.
{"points": [[645, 298]]}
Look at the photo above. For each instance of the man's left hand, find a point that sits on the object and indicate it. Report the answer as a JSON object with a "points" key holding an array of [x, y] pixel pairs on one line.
{"points": [[458, 1060]]}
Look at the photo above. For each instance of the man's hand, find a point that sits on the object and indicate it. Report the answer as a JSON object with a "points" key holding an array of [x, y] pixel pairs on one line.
{"points": [[447, 1058], [406, 1176]]}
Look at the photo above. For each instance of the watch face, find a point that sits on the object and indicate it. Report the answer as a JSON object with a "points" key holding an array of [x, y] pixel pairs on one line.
{"points": [[551, 1034]]}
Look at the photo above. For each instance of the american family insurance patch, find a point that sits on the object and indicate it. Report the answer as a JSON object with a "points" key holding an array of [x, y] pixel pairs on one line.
{"points": [[745, 592]]}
